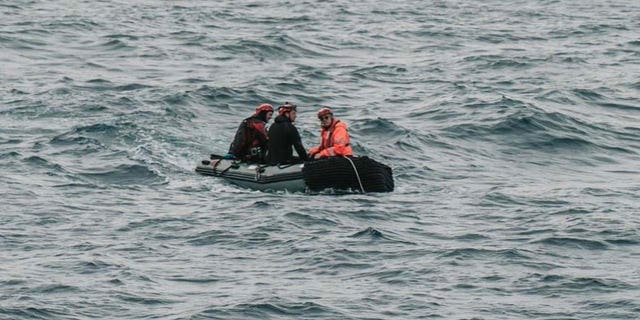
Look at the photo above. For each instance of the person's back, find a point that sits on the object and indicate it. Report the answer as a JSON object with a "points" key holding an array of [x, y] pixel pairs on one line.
{"points": [[283, 135], [250, 141]]}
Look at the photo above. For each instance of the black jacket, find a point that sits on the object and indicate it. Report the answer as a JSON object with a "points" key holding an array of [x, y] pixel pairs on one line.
{"points": [[282, 136]]}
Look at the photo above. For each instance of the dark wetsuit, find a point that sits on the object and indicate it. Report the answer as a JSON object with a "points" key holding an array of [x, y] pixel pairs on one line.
{"points": [[282, 136], [250, 141]]}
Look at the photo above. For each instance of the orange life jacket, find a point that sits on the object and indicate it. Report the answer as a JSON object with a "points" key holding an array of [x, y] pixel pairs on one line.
{"points": [[334, 141]]}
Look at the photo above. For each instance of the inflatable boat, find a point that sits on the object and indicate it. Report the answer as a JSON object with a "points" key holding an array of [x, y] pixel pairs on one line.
{"points": [[358, 174]]}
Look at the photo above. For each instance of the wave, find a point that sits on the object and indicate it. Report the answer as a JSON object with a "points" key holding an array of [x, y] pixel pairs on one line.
{"points": [[145, 300], [17, 91], [20, 43], [587, 94], [216, 96], [193, 80], [9, 6], [298, 47], [32, 313], [613, 305], [574, 243], [516, 123], [556, 284], [42, 162], [309, 72], [620, 106], [369, 232], [165, 222], [308, 220], [557, 96], [72, 23], [494, 62], [9, 155], [379, 127], [376, 235], [95, 137], [273, 46], [4, 141], [95, 266], [54, 289], [100, 85], [206, 281], [267, 310], [125, 175], [623, 242], [122, 36], [211, 237], [114, 45], [475, 253], [255, 48], [394, 142], [65, 140], [384, 73]]}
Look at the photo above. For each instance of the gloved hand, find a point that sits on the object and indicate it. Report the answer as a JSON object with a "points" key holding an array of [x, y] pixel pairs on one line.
{"points": [[228, 156]]}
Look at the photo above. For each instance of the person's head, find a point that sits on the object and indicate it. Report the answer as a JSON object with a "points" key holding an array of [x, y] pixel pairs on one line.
{"points": [[264, 112], [325, 115], [288, 110]]}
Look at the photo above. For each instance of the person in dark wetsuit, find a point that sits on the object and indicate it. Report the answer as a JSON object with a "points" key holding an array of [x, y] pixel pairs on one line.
{"points": [[250, 141], [283, 135]]}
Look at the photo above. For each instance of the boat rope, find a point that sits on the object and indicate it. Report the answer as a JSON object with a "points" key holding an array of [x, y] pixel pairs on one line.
{"points": [[357, 175], [215, 167], [219, 174]]}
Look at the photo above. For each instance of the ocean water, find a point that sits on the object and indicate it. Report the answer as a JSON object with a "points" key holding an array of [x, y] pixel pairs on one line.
{"points": [[512, 127]]}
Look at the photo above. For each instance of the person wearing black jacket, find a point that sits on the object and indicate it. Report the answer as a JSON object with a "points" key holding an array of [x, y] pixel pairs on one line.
{"points": [[282, 136], [250, 142]]}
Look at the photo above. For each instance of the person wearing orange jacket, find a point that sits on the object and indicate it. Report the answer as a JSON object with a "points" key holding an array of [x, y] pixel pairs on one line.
{"points": [[334, 137], [250, 142]]}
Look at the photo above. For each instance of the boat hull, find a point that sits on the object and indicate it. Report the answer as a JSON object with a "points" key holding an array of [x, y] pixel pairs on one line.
{"points": [[255, 176], [358, 174]]}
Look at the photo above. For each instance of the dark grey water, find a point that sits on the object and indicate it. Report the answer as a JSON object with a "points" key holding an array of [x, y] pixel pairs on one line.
{"points": [[512, 129]]}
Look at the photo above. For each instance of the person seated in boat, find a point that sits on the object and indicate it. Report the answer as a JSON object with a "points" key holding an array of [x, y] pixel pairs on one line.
{"points": [[283, 135], [250, 141], [334, 137]]}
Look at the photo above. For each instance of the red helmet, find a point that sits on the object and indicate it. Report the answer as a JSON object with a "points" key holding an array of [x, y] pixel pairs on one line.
{"points": [[324, 111], [264, 107], [286, 107]]}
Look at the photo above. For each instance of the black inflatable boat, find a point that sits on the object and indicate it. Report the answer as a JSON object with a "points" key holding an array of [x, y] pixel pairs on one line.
{"points": [[359, 174]]}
